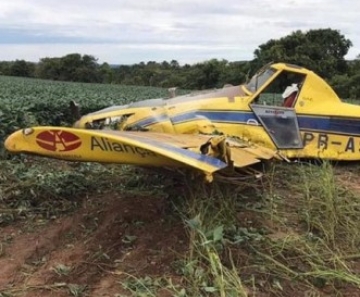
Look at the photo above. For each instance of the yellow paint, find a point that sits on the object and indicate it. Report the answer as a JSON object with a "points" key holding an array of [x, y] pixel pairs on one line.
{"points": [[177, 122], [137, 148]]}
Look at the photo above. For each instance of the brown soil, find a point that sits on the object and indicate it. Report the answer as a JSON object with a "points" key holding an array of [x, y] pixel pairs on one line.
{"points": [[109, 238]]}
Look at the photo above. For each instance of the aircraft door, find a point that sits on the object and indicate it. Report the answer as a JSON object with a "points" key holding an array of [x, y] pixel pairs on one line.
{"points": [[281, 124]]}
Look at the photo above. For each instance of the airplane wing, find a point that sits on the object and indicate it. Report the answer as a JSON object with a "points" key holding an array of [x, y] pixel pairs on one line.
{"points": [[207, 153]]}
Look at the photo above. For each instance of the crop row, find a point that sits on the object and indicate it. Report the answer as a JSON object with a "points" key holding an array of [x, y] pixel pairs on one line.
{"points": [[27, 102]]}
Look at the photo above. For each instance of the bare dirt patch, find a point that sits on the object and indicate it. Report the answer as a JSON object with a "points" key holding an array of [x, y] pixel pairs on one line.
{"points": [[108, 238]]}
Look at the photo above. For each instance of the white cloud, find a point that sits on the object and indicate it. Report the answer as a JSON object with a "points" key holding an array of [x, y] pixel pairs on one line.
{"points": [[186, 30], [127, 54]]}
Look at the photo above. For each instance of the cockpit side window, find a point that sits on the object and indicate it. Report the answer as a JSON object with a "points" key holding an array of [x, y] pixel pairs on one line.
{"points": [[283, 91]]}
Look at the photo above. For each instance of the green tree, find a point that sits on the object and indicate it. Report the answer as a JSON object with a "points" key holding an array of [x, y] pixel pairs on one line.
{"points": [[22, 68], [341, 85], [72, 67], [354, 66], [5, 68], [106, 73], [68, 66], [49, 68], [321, 50], [234, 73], [354, 80], [354, 86]]}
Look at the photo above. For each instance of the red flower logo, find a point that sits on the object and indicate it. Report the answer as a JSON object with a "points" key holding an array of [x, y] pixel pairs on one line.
{"points": [[58, 141]]}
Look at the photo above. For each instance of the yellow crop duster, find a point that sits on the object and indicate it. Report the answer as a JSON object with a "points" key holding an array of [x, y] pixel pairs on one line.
{"points": [[283, 112]]}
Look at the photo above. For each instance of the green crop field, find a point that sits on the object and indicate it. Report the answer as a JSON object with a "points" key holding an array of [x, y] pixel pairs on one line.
{"points": [[24, 91], [25, 101], [49, 100], [70, 229]]}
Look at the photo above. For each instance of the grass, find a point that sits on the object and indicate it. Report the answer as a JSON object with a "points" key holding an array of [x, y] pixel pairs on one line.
{"points": [[296, 231], [295, 234], [320, 230]]}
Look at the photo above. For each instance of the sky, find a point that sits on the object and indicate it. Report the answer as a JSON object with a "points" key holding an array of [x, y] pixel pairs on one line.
{"points": [[189, 31]]}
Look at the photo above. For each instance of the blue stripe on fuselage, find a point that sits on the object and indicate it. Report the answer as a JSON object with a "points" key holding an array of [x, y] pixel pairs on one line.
{"points": [[347, 126], [215, 116], [321, 124]]}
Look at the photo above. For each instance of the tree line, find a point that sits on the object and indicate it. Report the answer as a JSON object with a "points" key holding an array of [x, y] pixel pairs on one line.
{"points": [[320, 50]]}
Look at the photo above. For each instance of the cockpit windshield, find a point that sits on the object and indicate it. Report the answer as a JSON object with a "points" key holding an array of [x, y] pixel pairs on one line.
{"points": [[259, 79]]}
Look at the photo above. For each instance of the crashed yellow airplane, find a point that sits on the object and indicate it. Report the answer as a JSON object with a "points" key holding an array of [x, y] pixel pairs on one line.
{"points": [[283, 112]]}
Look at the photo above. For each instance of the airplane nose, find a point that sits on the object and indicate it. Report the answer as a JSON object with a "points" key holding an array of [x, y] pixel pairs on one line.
{"points": [[10, 142], [16, 141]]}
